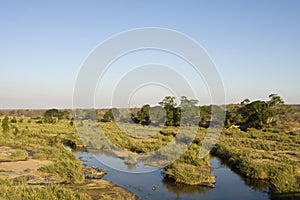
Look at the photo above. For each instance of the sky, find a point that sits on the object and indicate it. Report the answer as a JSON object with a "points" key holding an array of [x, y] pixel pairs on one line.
{"points": [[255, 46]]}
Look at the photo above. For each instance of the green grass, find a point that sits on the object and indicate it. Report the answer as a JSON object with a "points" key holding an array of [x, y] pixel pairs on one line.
{"points": [[44, 141], [270, 155], [18, 154], [10, 190]]}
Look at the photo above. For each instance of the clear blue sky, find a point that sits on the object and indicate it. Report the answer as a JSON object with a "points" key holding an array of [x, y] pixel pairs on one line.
{"points": [[254, 44]]}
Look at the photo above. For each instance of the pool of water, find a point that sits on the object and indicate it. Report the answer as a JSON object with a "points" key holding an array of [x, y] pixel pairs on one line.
{"points": [[152, 185]]}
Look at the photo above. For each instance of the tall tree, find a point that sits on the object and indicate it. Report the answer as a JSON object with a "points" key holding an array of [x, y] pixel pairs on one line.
{"points": [[189, 112], [275, 99], [143, 116], [172, 113], [5, 125], [111, 115]]}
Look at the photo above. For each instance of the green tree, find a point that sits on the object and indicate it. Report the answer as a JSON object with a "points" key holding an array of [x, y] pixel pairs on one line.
{"points": [[168, 103], [111, 115], [245, 102], [53, 113], [157, 114], [275, 99], [257, 114], [143, 116], [13, 120], [5, 125], [205, 115], [233, 118], [189, 113], [173, 113]]}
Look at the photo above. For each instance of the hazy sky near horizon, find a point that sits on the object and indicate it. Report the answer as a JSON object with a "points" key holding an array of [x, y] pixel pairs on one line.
{"points": [[254, 44]]}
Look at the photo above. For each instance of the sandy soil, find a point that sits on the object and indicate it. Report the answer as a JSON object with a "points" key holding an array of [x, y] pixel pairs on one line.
{"points": [[27, 169]]}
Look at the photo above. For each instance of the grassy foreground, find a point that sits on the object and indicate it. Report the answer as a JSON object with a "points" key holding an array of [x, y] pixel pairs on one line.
{"points": [[34, 163]]}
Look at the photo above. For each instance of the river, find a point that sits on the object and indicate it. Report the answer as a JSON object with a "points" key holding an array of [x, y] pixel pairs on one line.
{"points": [[151, 185]]}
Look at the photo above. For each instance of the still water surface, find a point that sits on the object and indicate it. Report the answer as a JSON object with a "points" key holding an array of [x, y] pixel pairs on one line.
{"points": [[151, 185]]}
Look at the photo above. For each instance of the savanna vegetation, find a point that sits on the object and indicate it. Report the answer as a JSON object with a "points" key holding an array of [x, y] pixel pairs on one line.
{"points": [[34, 163], [259, 140]]}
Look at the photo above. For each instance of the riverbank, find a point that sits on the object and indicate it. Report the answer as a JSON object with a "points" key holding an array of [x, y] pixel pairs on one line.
{"points": [[263, 155], [153, 185], [269, 155], [34, 164]]}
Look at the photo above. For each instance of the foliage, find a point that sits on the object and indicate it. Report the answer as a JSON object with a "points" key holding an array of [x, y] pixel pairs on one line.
{"points": [[189, 111], [13, 120], [19, 154], [67, 167], [143, 116], [5, 126], [10, 190], [55, 113], [157, 115], [111, 115], [260, 154], [257, 114]]}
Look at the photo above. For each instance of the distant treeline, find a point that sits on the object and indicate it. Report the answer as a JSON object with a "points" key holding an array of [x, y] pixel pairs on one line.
{"points": [[256, 114]]}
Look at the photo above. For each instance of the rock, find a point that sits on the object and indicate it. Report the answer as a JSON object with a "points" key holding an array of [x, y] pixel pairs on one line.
{"points": [[93, 172]]}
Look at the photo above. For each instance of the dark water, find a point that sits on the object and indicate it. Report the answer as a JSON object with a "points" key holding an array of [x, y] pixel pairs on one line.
{"points": [[151, 185]]}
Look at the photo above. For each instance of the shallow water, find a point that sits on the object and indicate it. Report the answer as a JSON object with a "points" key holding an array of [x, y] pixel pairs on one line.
{"points": [[151, 185]]}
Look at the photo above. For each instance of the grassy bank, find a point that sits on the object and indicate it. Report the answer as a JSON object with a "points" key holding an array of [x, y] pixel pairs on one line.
{"points": [[188, 167], [32, 155], [270, 155]]}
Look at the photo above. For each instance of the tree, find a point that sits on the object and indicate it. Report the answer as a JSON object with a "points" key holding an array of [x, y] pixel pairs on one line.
{"points": [[245, 102], [111, 115], [275, 99], [233, 118], [143, 116], [54, 113], [5, 125], [189, 113], [168, 103], [13, 120], [257, 114], [157, 114], [173, 113]]}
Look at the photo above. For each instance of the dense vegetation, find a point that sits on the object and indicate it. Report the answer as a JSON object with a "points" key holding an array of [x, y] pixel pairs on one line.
{"points": [[35, 139], [257, 114], [253, 142], [269, 155], [260, 140]]}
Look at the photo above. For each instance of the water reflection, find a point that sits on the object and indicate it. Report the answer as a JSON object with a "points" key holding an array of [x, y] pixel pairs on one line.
{"points": [[185, 189], [152, 185], [254, 184], [257, 185]]}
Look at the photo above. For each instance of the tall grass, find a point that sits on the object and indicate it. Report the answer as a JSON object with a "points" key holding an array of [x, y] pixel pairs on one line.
{"points": [[269, 155], [10, 190]]}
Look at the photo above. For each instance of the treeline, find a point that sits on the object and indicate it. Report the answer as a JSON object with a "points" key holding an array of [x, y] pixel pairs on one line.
{"points": [[167, 113], [257, 114]]}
